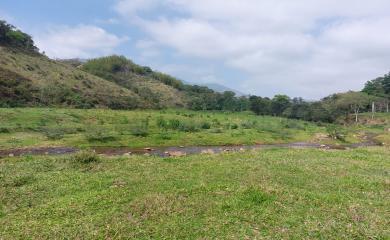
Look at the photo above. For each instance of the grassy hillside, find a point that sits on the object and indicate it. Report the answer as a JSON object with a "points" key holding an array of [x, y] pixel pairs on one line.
{"points": [[26, 127], [42, 81], [142, 80], [268, 194]]}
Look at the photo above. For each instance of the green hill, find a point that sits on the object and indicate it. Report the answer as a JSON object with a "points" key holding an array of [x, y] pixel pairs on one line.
{"points": [[28, 78], [35, 80], [155, 89]]}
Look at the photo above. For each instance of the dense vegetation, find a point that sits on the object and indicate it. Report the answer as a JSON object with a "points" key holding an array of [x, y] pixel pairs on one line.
{"points": [[10, 36], [37, 127]]}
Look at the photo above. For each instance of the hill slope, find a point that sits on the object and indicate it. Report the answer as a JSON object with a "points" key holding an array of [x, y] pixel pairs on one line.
{"points": [[149, 85], [33, 79]]}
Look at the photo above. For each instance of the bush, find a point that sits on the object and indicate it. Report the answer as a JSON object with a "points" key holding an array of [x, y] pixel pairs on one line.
{"points": [[85, 157], [99, 135], [4, 130], [174, 124], [161, 123], [54, 134], [139, 131], [293, 125], [335, 132], [165, 136], [216, 122], [233, 126], [205, 125], [142, 129], [217, 130], [188, 127], [248, 124]]}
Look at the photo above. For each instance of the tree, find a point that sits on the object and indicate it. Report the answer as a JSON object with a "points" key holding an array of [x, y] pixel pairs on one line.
{"points": [[13, 37], [259, 105], [279, 104], [352, 102]]}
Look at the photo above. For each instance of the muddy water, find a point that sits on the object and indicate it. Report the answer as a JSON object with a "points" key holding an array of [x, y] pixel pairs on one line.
{"points": [[176, 151]]}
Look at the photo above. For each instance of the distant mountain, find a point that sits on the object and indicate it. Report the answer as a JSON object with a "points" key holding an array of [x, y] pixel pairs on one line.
{"points": [[221, 88]]}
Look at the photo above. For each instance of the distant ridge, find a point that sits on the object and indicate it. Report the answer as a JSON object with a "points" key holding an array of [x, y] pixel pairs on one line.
{"points": [[221, 88]]}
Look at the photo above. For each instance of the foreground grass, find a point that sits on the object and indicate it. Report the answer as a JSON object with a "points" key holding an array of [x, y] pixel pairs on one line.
{"points": [[272, 194], [26, 127]]}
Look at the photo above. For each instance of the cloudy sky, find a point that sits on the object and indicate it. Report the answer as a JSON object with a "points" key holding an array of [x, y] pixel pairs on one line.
{"points": [[308, 48]]}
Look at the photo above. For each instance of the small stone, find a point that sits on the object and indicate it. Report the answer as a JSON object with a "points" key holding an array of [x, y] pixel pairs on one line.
{"points": [[148, 149], [128, 154], [11, 155], [208, 151], [177, 154]]}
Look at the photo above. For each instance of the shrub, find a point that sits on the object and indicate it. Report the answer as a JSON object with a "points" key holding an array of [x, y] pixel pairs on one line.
{"points": [[188, 127], [139, 131], [293, 125], [54, 134], [205, 125], [85, 157], [4, 130], [248, 124], [233, 126], [216, 122], [99, 135], [142, 129], [335, 132], [165, 136], [174, 124], [217, 130], [161, 123], [20, 181]]}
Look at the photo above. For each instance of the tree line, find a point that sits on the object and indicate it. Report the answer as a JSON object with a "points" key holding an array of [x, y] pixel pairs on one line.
{"points": [[13, 37]]}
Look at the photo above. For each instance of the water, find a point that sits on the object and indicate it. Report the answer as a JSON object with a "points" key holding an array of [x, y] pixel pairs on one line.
{"points": [[177, 151]]}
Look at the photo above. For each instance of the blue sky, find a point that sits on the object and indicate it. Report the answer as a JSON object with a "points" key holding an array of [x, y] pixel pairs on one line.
{"points": [[300, 48]]}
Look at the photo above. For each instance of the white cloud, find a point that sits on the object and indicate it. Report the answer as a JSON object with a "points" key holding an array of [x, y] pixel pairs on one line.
{"points": [[83, 41], [301, 47]]}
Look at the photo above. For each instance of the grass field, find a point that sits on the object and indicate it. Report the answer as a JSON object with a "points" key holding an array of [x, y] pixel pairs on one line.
{"points": [[267, 194], [32, 127], [83, 128], [258, 194]]}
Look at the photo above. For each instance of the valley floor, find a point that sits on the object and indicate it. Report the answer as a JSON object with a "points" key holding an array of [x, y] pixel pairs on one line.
{"points": [[275, 193], [271, 194], [45, 127]]}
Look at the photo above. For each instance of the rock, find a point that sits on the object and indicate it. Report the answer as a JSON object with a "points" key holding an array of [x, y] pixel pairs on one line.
{"points": [[176, 154], [127, 154], [242, 150], [147, 154], [11, 155], [149, 149], [208, 151]]}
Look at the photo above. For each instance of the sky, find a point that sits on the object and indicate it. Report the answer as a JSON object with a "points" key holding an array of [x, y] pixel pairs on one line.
{"points": [[305, 48]]}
